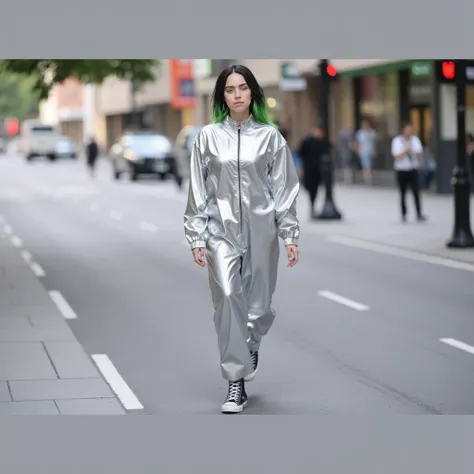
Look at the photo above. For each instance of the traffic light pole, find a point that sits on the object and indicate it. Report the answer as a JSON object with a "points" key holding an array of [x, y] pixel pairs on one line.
{"points": [[329, 211], [462, 235]]}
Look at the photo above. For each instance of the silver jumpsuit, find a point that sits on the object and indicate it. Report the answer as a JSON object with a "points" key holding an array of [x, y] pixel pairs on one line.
{"points": [[242, 197]]}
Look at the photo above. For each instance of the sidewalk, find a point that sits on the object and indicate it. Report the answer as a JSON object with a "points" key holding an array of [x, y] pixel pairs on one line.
{"points": [[372, 215], [43, 368]]}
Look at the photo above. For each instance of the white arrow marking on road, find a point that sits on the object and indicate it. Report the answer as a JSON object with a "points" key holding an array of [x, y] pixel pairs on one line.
{"points": [[148, 226], [116, 382], [344, 301], [458, 344], [63, 305]]}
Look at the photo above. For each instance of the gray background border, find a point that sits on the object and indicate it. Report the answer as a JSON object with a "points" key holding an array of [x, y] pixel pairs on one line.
{"points": [[218, 29]]}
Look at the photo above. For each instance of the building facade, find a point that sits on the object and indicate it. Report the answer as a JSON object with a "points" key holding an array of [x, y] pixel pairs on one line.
{"points": [[386, 92]]}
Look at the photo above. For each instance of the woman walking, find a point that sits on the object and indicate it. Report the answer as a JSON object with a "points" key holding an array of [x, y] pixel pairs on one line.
{"points": [[242, 197]]}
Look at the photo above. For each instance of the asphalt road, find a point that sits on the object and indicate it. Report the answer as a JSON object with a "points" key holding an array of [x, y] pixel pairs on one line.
{"points": [[357, 332]]}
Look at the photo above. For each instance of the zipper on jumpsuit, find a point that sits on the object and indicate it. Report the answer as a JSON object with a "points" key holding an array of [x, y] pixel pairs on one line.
{"points": [[238, 173]]}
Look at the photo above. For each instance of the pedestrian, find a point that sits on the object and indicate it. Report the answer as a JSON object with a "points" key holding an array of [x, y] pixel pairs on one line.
{"points": [[92, 153], [242, 196], [365, 143], [407, 150], [285, 133], [312, 149]]}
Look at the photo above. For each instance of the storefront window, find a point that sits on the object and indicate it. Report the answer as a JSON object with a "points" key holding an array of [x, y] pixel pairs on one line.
{"points": [[380, 103]]}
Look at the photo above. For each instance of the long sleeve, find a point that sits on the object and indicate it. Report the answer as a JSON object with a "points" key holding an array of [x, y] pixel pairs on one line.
{"points": [[285, 187], [195, 218]]}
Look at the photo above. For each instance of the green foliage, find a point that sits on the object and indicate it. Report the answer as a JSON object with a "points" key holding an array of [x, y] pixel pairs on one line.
{"points": [[45, 73], [17, 97]]}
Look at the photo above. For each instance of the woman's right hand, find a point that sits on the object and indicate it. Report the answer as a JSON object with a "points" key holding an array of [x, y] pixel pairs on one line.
{"points": [[198, 254]]}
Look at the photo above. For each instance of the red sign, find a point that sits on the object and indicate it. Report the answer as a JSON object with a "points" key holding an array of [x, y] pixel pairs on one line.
{"points": [[182, 84]]}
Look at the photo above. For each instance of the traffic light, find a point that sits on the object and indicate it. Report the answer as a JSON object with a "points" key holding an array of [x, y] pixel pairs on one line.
{"points": [[12, 126], [327, 70], [448, 70]]}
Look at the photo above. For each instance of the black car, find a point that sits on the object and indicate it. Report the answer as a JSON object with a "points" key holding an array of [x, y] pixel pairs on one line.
{"points": [[143, 153]]}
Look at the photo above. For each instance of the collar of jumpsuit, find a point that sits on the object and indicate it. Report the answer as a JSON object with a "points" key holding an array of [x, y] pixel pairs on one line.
{"points": [[245, 125]]}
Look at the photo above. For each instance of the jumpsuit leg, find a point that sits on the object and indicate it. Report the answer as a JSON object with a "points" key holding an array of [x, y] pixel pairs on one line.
{"points": [[230, 308], [259, 278]]}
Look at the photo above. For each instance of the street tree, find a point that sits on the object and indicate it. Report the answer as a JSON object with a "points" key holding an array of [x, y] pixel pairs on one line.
{"points": [[46, 73]]}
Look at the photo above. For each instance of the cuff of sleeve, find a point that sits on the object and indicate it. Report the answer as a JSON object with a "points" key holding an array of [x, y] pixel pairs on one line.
{"points": [[198, 243], [291, 241]]}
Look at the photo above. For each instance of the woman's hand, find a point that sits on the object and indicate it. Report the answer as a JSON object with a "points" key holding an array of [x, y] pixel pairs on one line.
{"points": [[292, 251], [198, 254]]}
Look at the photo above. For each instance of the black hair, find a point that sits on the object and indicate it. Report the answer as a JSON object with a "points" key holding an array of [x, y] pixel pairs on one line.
{"points": [[258, 106]]}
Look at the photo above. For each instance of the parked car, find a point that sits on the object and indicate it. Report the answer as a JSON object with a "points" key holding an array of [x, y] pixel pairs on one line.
{"points": [[183, 146], [143, 153], [39, 139], [66, 148]]}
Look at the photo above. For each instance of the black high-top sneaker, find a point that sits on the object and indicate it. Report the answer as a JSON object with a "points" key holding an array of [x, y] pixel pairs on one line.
{"points": [[254, 357], [236, 399]]}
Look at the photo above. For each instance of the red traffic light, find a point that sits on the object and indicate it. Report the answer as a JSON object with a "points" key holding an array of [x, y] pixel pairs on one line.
{"points": [[448, 69], [331, 70], [12, 127]]}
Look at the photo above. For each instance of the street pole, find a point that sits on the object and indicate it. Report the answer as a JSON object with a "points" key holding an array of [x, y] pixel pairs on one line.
{"points": [[462, 235], [329, 211], [134, 89]]}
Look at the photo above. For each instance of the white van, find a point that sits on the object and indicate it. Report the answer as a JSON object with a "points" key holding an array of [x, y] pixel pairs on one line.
{"points": [[39, 139]]}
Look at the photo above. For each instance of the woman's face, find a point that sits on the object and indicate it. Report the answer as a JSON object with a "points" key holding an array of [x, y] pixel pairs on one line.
{"points": [[237, 93]]}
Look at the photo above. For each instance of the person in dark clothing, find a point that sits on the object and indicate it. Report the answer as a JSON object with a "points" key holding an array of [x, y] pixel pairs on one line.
{"points": [[311, 150], [92, 153]]}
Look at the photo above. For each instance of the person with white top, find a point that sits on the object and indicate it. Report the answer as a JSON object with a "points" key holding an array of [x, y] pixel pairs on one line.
{"points": [[407, 150]]}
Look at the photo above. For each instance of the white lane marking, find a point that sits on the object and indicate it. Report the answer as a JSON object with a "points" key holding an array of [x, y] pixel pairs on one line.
{"points": [[37, 269], [63, 305], [16, 241], [344, 301], [447, 262], [7, 229], [116, 215], [148, 226], [27, 256], [116, 382], [458, 344]]}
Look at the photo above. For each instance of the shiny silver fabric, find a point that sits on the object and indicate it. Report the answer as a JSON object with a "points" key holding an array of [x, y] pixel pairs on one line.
{"points": [[242, 197]]}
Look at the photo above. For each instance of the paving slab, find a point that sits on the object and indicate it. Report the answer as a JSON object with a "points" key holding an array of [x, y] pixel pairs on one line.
{"points": [[47, 407], [70, 360], [21, 322], [36, 335], [25, 361], [60, 389], [4, 392], [95, 406]]}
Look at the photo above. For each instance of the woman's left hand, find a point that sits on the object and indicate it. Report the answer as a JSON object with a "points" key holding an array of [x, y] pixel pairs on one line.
{"points": [[292, 251]]}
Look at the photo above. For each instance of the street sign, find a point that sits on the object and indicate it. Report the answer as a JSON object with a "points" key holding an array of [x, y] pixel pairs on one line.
{"points": [[421, 68], [290, 78]]}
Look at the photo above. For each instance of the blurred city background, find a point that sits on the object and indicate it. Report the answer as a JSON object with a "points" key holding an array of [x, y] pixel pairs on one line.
{"points": [[386, 92], [102, 309]]}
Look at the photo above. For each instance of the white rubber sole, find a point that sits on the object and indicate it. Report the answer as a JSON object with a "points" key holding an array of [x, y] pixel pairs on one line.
{"points": [[251, 376], [233, 408]]}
